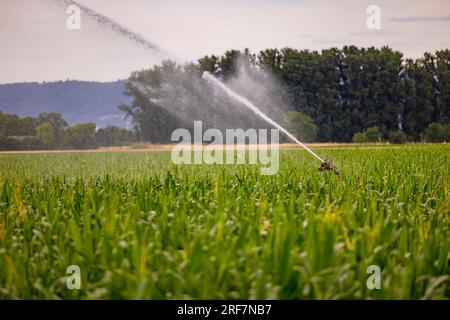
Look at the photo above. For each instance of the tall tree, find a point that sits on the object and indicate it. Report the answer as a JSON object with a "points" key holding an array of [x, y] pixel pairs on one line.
{"points": [[82, 135]]}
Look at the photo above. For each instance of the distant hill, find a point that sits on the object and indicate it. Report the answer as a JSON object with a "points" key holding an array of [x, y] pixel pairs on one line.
{"points": [[77, 101]]}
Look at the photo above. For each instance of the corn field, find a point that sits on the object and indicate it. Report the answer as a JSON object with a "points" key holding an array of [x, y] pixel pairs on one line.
{"points": [[140, 227]]}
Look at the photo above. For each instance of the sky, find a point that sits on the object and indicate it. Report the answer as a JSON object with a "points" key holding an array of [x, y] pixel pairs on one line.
{"points": [[36, 45]]}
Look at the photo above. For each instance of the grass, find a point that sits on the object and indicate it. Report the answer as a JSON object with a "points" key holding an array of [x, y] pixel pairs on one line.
{"points": [[140, 227]]}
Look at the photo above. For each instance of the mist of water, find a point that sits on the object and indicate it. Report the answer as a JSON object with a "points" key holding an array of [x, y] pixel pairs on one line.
{"points": [[242, 100], [169, 99]]}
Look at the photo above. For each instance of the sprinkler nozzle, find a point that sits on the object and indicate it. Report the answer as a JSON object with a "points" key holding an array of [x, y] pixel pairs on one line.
{"points": [[327, 165]]}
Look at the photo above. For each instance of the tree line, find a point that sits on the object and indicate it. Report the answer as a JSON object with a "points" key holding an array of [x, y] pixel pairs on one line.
{"points": [[338, 95], [51, 131]]}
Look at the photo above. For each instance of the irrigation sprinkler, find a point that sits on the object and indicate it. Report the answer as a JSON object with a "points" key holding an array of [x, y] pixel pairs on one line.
{"points": [[326, 165]]}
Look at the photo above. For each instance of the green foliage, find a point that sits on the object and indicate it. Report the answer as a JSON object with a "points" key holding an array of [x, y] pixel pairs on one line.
{"points": [[7, 143], [152, 121], [82, 136], [50, 131], [12, 125], [114, 136], [228, 63], [54, 119], [397, 137], [173, 96], [437, 132], [20, 143], [359, 137], [45, 133], [57, 138], [301, 126], [371, 134], [140, 227], [349, 89], [343, 90]]}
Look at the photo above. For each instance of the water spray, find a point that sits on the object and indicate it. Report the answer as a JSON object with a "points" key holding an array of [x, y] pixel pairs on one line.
{"points": [[325, 165], [108, 22], [116, 27]]}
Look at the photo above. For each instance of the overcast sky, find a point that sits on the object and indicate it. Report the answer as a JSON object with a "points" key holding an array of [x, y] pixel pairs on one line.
{"points": [[36, 45]]}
